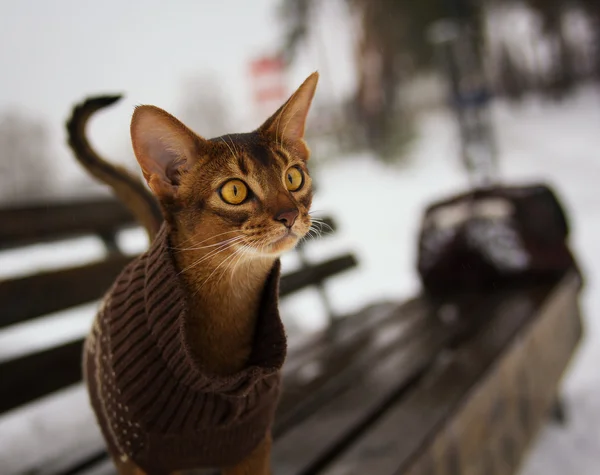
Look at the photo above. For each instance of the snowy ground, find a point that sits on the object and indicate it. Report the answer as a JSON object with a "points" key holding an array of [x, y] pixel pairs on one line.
{"points": [[378, 209]]}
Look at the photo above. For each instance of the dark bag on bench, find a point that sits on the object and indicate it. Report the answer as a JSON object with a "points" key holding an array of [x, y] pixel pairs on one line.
{"points": [[489, 238]]}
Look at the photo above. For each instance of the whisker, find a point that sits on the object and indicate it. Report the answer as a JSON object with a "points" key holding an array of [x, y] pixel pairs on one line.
{"points": [[230, 261], [227, 244], [235, 238], [314, 216], [233, 145], [203, 241], [310, 235], [230, 149], [242, 255], [322, 224], [314, 233], [217, 268], [315, 229], [304, 238], [317, 220], [210, 255]]}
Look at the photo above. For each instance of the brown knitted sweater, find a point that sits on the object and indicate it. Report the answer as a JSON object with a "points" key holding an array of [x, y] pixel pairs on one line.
{"points": [[154, 403]]}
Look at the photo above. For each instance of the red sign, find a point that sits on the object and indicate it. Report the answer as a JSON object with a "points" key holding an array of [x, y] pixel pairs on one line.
{"points": [[268, 81]]}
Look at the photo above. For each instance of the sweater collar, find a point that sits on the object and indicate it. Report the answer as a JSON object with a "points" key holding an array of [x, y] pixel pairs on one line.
{"points": [[167, 313]]}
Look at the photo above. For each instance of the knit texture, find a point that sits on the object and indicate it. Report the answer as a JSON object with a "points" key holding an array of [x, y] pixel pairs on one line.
{"points": [[153, 402]]}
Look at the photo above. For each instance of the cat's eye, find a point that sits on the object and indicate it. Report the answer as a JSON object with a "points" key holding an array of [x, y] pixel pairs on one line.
{"points": [[294, 179], [234, 192]]}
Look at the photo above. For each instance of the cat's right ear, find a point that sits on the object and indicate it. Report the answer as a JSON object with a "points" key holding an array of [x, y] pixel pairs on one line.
{"points": [[289, 122], [164, 147]]}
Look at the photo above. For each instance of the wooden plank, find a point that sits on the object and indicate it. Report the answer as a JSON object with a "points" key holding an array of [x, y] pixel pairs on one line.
{"points": [[336, 367], [30, 297], [309, 346], [35, 223], [317, 273], [393, 443], [29, 224], [307, 446], [372, 384], [37, 375]]}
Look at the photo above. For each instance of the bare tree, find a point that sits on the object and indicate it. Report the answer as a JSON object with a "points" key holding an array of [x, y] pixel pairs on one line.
{"points": [[203, 106], [25, 171]]}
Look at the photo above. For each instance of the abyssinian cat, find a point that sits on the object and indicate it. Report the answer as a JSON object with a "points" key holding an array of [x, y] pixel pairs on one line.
{"points": [[182, 363]]}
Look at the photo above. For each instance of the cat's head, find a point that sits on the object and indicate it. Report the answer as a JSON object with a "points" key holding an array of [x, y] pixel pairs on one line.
{"points": [[250, 189]]}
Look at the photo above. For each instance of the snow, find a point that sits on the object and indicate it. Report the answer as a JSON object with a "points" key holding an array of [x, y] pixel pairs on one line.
{"points": [[378, 208], [561, 143]]}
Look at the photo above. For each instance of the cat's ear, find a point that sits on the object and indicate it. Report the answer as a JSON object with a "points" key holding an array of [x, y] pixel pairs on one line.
{"points": [[289, 122], [164, 147]]}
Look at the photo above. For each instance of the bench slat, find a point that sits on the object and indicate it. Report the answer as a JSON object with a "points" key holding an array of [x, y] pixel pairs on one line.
{"points": [[334, 369], [316, 273], [37, 295], [341, 418], [30, 297], [34, 376], [22, 225]]}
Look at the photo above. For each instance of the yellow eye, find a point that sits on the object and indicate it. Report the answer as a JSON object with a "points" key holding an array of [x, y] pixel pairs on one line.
{"points": [[234, 192], [294, 179]]}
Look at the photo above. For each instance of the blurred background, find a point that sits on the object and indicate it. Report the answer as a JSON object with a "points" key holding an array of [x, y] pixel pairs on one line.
{"points": [[391, 129]]}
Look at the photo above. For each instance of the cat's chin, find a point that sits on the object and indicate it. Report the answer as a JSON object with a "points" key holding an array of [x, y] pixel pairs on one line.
{"points": [[284, 243], [278, 246]]}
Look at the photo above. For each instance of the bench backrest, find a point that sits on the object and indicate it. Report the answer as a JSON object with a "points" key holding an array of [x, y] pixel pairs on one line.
{"points": [[24, 299]]}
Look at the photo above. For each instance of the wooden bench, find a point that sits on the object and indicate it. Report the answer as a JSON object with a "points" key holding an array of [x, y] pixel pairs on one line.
{"points": [[27, 298], [457, 387]]}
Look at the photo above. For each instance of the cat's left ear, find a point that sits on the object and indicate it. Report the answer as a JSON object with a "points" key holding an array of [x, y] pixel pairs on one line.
{"points": [[289, 122], [165, 149]]}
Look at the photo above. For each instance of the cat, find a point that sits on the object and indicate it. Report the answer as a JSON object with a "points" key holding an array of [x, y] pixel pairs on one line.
{"points": [[231, 206]]}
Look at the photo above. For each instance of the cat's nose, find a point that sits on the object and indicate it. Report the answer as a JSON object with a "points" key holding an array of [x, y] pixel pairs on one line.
{"points": [[287, 217]]}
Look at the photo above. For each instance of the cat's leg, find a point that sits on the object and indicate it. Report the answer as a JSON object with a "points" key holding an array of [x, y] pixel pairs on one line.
{"points": [[257, 463]]}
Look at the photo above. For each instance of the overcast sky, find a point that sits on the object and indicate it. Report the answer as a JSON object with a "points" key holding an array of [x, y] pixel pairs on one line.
{"points": [[54, 53]]}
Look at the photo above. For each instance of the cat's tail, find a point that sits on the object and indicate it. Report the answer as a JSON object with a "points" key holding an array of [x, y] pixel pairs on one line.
{"points": [[128, 188]]}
